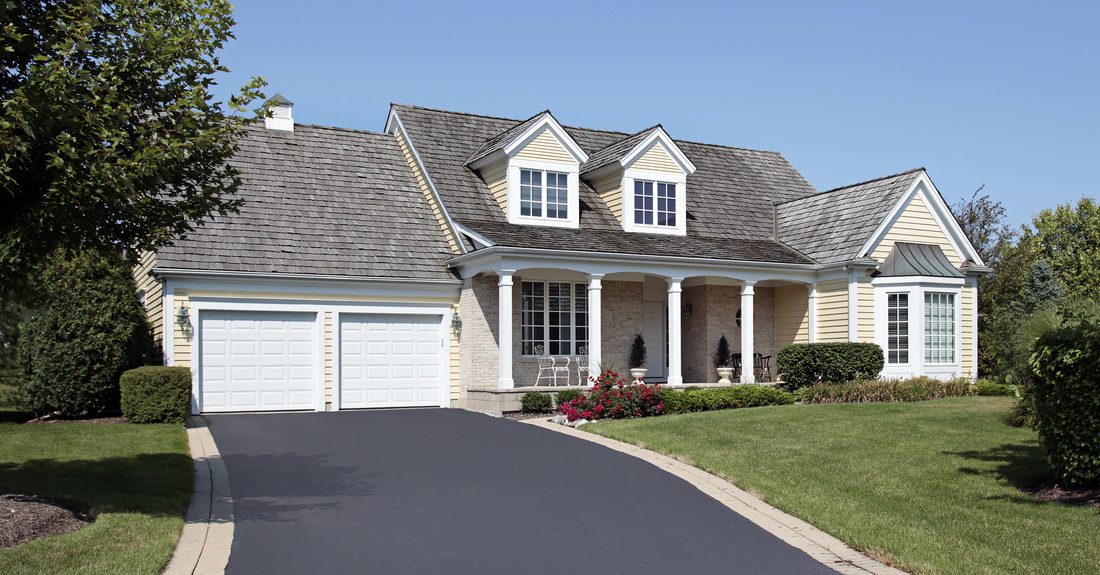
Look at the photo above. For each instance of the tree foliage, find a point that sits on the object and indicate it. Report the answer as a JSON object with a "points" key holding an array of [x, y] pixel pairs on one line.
{"points": [[109, 136], [1068, 237]]}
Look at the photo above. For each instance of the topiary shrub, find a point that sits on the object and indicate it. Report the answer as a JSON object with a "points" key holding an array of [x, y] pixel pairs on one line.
{"points": [[638, 355], [803, 364], [88, 328], [155, 394], [871, 391], [708, 399], [567, 395], [722, 356], [1066, 388], [536, 402]]}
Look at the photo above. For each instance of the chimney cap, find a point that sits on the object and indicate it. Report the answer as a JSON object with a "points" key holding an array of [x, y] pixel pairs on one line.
{"points": [[279, 100]]}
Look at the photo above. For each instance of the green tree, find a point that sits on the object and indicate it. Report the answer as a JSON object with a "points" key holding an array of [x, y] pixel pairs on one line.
{"points": [[109, 136], [1068, 237], [1041, 289]]}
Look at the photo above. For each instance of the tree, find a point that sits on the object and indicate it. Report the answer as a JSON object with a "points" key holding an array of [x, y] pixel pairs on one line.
{"points": [[1068, 238], [1041, 289], [89, 328], [983, 221], [109, 136]]}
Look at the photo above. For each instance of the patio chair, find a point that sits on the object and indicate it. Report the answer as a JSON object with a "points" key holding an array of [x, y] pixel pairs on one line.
{"points": [[735, 361], [582, 365], [765, 368], [549, 368]]}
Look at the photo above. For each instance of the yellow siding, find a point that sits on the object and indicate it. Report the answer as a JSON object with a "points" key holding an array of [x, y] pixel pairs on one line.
{"points": [[832, 311], [866, 309], [440, 217], [496, 177], [154, 292], [610, 188], [330, 360], [181, 344], [657, 159], [792, 320], [546, 147], [916, 225], [456, 380], [969, 315]]}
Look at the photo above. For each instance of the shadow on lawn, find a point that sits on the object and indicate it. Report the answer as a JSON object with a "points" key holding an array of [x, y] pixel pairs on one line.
{"points": [[1021, 465], [156, 484]]}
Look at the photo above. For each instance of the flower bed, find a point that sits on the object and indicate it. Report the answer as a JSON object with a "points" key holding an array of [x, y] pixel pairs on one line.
{"points": [[913, 389], [612, 397]]}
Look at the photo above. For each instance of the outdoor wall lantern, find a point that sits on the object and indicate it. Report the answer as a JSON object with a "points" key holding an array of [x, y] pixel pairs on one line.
{"points": [[183, 318], [456, 324]]}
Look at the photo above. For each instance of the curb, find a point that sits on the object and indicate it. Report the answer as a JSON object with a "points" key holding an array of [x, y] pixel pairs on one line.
{"points": [[821, 546], [207, 537]]}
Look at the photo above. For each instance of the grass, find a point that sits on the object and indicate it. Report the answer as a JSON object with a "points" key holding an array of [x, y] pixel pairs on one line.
{"points": [[136, 479], [10, 410], [932, 487]]}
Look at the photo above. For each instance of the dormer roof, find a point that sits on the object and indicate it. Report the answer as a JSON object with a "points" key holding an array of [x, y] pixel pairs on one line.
{"points": [[629, 148], [513, 138]]}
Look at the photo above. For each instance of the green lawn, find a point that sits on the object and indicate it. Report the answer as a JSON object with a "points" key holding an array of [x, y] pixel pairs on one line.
{"points": [[137, 480], [10, 410], [931, 487]]}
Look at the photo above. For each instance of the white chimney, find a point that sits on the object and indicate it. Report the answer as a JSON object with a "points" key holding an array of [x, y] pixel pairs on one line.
{"points": [[280, 118]]}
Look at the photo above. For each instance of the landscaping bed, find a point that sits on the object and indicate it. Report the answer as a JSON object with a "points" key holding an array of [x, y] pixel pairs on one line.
{"points": [[942, 486]]}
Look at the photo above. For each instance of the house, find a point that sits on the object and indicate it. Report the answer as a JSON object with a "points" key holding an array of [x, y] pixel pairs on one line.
{"points": [[431, 263]]}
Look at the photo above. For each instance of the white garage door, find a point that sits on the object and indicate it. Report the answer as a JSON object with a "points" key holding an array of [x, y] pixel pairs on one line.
{"points": [[258, 361], [390, 360]]}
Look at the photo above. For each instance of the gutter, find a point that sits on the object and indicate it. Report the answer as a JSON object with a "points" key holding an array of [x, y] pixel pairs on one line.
{"points": [[504, 250], [189, 273]]}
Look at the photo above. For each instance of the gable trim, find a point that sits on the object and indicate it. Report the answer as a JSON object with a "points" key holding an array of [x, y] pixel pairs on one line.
{"points": [[923, 186], [659, 136], [547, 122]]}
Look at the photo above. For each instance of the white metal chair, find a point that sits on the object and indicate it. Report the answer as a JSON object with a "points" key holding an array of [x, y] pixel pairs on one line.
{"points": [[549, 368], [582, 365]]}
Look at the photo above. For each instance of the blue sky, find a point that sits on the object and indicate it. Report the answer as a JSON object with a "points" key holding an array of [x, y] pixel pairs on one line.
{"points": [[995, 93]]}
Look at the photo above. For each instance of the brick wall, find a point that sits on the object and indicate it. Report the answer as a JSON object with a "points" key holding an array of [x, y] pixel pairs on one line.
{"points": [[478, 350]]}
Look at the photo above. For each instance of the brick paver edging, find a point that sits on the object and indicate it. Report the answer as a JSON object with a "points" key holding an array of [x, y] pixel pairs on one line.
{"points": [[823, 547], [207, 537]]}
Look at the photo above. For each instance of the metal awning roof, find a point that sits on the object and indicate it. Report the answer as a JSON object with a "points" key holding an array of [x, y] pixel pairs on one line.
{"points": [[917, 260]]}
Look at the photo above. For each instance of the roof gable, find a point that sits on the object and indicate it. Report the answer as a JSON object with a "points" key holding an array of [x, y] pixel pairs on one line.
{"points": [[514, 139], [923, 260], [629, 150]]}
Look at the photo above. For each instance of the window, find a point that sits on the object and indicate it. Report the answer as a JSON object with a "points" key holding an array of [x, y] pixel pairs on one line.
{"points": [[939, 327], [897, 317], [553, 315], [536, 199], [654, 203]]}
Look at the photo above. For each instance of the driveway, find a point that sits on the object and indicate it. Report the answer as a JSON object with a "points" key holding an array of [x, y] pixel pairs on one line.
{"points": [[449, 491]]}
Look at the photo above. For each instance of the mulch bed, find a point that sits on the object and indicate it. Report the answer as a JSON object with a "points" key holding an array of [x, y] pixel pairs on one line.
{"points": [[47, 420], [26, 517], [1056, 494], [520, 416]]}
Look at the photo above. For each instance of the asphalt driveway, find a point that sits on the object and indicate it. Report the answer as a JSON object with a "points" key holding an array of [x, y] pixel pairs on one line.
{"points": [[449, 491]]}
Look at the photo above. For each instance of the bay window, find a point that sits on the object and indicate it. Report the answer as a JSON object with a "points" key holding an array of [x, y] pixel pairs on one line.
{"points": [[897, 328], [939, 328], [553, 317]]}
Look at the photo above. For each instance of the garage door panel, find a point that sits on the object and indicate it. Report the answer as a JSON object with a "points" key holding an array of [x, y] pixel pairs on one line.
{"points": [[390, 360], [258, 360]]}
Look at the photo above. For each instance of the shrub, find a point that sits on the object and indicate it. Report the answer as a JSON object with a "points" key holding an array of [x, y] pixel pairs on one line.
{"points": [[868, 391], [611, 397], [536, 402], [692, 400], [1066, 387], [991, 388], [803, 364], [88, 328], [638, 353], [568, 395], [722, 356], [155, 394]]}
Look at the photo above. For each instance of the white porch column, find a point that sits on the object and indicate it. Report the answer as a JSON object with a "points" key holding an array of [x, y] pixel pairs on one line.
{"points": [[748, 361], [595, 317], [675, 374], [504, 331], [811, 314]]}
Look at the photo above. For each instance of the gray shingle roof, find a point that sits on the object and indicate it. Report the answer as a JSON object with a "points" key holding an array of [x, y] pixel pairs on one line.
{"points": [[613, 152], [832, 226], [926, 260], [320, 200], [500, 141], [730, 196]]}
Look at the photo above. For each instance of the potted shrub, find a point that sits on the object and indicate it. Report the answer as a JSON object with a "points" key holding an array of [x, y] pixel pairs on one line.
{"points": [[638, 358], [723, 361]]}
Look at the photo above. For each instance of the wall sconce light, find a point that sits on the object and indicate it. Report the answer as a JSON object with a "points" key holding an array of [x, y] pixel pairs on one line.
{"points": [[183, 318], [687, 311], [456, 324]]}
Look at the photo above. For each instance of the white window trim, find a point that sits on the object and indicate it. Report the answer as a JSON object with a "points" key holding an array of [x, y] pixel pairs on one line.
{"points": [[680, 180], [916, 287], [573, 204], [546, 315]]}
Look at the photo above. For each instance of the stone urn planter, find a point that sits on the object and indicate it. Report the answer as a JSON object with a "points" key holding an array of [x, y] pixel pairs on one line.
{"points": [[638, 373], [724, 374]]}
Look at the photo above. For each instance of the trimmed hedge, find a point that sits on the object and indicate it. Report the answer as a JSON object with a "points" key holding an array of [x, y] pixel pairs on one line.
{"points": [[803, 364], [709, 399], [156, 394], [535, 402], [1066, 388], [991, 388], [869, 391]]}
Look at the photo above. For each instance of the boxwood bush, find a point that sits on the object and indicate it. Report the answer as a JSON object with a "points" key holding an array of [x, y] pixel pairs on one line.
{"points": [[803, 364], [992, 388], [156, 394], [708, 399], [87, 328], [536, 402], [869, 391], [567, 395], [1066, 388]]}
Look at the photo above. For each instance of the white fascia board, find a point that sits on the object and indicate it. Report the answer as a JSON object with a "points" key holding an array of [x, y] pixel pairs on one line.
{"points": [[309, 284], [888, 221], [483, 241], [659, 136], [393, 124], [547, 122], [497, 156]]}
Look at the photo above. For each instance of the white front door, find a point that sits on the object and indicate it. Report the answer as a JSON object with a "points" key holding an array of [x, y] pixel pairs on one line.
{"points": [[655, 333], [391, 360], [258, 361]]}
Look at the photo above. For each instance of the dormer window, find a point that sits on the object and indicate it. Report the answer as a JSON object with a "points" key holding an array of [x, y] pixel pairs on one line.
{"points": [[543, 194], [654, 203]]}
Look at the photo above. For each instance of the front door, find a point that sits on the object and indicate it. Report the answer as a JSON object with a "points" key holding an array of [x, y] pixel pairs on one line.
{"points": [[655, 332]]}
